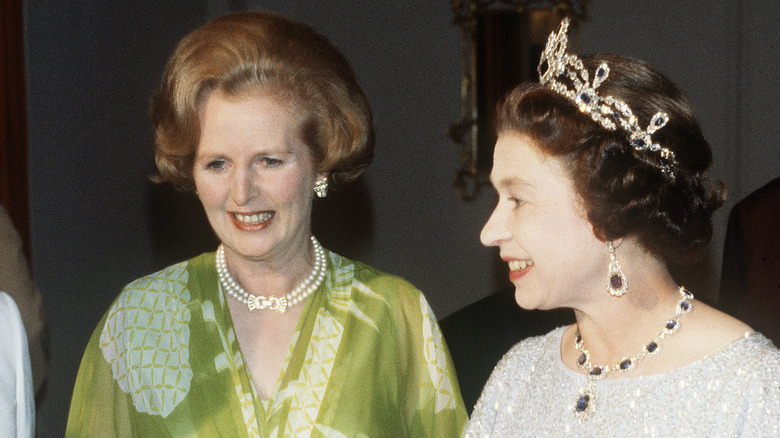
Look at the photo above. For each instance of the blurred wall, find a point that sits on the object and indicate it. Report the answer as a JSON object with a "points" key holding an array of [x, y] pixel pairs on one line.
{"points": [[91, 66], [97, 223]]}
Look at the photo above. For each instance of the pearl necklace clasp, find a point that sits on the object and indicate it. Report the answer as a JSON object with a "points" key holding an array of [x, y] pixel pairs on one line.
{"points": [[279, 304]]}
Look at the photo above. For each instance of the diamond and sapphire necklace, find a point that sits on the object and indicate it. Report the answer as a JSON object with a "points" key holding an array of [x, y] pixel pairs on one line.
{"points": [[586, 400]]}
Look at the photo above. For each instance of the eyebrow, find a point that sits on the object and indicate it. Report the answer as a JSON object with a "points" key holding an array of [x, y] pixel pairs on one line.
{"points": [[262, 153], [210, 156], [510, 181]]}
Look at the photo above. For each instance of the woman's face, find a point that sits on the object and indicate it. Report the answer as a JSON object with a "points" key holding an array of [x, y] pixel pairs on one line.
{"points": [[541, 228], [254, 175]]}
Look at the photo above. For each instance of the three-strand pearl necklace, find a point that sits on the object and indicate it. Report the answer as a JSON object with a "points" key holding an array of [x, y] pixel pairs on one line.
{"points": [[280, 304], [586, 400]]}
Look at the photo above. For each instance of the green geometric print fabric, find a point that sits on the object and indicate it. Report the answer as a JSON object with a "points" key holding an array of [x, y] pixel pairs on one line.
{"points": [[367, 359], [146, 341]]}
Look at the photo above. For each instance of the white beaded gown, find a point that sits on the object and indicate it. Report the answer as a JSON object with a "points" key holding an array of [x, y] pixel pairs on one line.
{"points": [[733, 392]]}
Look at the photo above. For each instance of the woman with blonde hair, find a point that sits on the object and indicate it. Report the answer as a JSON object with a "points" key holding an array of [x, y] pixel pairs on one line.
{"points": [[271, 335]]}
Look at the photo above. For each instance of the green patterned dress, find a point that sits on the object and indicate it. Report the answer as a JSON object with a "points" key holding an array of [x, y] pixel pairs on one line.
{"points": [[367, 360]]}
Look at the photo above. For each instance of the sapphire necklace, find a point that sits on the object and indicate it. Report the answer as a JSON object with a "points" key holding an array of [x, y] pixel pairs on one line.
{"points": [[586, 399]]}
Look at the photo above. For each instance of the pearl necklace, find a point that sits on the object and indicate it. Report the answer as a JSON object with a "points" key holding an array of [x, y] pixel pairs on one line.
{"points": [[586, 400], [280, 304]]}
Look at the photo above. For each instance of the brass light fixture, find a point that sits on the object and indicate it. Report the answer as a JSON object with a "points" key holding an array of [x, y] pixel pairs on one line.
{"points": [[501, 41]]}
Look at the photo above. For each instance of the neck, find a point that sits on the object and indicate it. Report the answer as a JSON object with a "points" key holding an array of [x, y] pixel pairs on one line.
{"points": [[613, 328], [272, 276]]}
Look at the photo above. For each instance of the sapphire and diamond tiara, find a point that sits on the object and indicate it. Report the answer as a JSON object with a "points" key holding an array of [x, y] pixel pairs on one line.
{"points": [[609, 112]]}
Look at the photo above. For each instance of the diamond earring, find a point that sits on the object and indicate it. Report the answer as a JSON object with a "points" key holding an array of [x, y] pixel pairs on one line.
{"points": [[321, 187], [617, 284]]}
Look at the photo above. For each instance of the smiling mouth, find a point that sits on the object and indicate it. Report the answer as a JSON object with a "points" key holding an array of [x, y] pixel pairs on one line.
{"points": [[252, 219], [519, 265]]}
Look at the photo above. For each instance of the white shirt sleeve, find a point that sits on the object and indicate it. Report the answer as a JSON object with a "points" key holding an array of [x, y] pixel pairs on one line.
{"points": [[17, 403]]}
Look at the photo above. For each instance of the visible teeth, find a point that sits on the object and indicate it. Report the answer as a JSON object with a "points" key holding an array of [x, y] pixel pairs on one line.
{"points": [[519, 265], [253, 219]]}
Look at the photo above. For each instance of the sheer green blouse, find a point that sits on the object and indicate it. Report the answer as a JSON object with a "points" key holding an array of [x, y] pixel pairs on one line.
{"points": [[367, 359]]}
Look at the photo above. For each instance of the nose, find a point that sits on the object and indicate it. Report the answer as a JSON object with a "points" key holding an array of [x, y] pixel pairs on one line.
{"points": [[243, 188], [495, 230]]}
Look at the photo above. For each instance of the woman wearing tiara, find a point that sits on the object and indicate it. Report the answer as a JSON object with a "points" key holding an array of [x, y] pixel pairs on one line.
{"points": [[601, 174], [272, 335]]}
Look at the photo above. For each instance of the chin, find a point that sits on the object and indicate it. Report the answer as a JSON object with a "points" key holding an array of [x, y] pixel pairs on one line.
{"points": [[531, 301], [525, 300]]}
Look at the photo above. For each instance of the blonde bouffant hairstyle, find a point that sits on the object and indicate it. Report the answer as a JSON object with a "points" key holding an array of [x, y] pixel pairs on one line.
{"points": [[258, 52]]}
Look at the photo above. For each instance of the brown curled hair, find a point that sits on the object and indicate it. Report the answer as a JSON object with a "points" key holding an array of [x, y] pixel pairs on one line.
{"points": [[623, 191], [267, 53]]}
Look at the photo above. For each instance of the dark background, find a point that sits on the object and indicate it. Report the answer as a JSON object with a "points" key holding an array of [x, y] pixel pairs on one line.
{"points": [[97, 223]]}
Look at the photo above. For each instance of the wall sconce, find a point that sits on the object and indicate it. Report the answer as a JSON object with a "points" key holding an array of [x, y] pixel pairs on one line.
{"points": [[501, 42]]}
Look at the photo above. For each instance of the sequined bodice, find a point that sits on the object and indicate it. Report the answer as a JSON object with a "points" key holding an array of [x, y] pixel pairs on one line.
{"points": [[734, 392]]}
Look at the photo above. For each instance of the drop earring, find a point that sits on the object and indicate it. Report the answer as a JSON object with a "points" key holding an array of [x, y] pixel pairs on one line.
{"points": [[321, 187], [617, 284]]}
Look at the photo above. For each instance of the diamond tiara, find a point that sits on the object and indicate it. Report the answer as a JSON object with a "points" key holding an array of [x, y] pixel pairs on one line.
{"points": [[608, 111]]}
